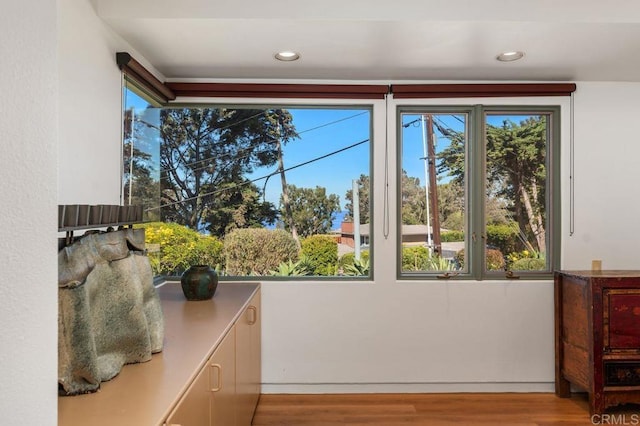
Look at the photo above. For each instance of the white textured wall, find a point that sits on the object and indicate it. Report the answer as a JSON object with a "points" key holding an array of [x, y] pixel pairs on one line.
{"points": [[28, 141], [607, 175], [90, 106]]}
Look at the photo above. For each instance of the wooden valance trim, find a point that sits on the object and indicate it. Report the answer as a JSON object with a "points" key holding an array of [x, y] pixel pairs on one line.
{"points": [[255, 90], [405, 91], [138, 72]]}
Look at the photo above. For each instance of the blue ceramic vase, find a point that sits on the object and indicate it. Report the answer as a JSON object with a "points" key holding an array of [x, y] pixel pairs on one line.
{"points": [[199, 282]]}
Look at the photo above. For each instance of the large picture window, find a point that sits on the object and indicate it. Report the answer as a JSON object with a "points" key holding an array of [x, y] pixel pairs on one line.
{"points": [[260, 190], [477, 188]]}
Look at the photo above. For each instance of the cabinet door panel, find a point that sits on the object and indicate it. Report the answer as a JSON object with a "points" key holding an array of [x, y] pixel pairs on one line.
{"points": [[248, 374], [194, 408], [223, 382]]}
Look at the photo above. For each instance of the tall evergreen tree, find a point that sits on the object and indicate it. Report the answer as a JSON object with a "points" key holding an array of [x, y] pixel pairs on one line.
{"points": [[516, 157], [205, 156]]}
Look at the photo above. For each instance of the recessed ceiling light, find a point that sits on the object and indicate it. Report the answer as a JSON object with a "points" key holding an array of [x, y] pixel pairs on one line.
{"points": [[287, 56], [510, 56]]}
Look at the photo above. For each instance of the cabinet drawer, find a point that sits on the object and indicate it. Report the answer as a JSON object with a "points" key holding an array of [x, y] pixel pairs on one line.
{"points": [[622, 374], [621, 319]]}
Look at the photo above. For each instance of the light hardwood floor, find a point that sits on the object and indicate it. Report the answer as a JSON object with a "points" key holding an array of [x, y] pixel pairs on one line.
{"points": [[466, 409]]}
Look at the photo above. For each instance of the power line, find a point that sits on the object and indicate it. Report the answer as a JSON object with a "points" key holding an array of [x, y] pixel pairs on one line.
{"points": [[235, 157], [313, 160], [333, 122]]}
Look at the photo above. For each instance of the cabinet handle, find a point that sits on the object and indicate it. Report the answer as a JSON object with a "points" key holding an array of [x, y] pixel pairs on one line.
{"points": [[254, 316], [217, 367]]}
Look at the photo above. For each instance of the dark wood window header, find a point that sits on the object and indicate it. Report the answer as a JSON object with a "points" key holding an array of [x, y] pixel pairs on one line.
{"points": [[250, 90], [168, 91], [140, 74], [405, 91]]}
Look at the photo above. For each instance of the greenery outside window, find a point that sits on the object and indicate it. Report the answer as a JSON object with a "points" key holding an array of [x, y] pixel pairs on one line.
{"points": [[479, 194], [258, 190]]}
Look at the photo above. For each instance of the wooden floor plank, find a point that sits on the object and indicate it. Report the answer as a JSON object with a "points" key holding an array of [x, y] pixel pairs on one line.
{"points": [[479, 409]]}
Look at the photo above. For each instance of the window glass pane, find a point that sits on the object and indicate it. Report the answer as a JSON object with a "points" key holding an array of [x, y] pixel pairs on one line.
{"points": [[433, 201], [140, 152], [256, 191], [516, 188]]}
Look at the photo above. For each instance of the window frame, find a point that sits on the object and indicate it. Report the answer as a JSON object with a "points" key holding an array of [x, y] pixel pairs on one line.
{"points": [[475, 189], [293, 103]]}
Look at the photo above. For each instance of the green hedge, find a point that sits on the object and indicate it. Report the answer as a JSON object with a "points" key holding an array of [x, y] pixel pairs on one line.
{"points": [[258, 251], [322, 252], [451, 236], [503, 237]]}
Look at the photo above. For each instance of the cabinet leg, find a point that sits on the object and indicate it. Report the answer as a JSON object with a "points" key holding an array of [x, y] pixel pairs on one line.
{"points": [[596, 403], [563, 386]]}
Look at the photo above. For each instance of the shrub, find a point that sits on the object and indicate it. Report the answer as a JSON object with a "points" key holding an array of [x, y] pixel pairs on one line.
{"points": [[494, 259], [504, 237], [529, 264], [322, 252], [349, 265], [359, 267], [180, 247], [459, 258], [437, 263], [289, 269], [414, 258], [256, 251], [450, 236]]}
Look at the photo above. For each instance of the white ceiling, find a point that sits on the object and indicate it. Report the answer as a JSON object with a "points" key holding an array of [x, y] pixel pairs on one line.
{"points": [[564, 40]]}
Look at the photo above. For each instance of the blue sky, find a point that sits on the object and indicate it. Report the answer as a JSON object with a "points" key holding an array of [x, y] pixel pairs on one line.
{"points": [[323, 131], [413, 138]]}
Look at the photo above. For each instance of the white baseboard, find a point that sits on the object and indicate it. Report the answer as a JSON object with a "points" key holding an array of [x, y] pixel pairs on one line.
{"points": [[325, 388]]}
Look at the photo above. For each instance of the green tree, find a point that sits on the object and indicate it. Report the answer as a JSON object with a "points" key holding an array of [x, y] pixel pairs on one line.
{"points": [[364, 184], [451, 205], [516, 174], [208, 151], [516, 156], [414, 211], [312, 209], [238, 206]]}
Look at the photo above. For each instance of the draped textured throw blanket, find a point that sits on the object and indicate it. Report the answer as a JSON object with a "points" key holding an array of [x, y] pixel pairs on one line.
{"points": [[109, 312]]}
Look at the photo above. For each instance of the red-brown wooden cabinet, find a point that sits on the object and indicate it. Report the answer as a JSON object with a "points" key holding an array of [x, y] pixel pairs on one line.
{"points": [[597, 336]]}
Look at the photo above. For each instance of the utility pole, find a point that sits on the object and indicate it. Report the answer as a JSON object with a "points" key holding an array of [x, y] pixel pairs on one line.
{"points": [[433, 184], [356, 218], [426, 182], [286, 203]]}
